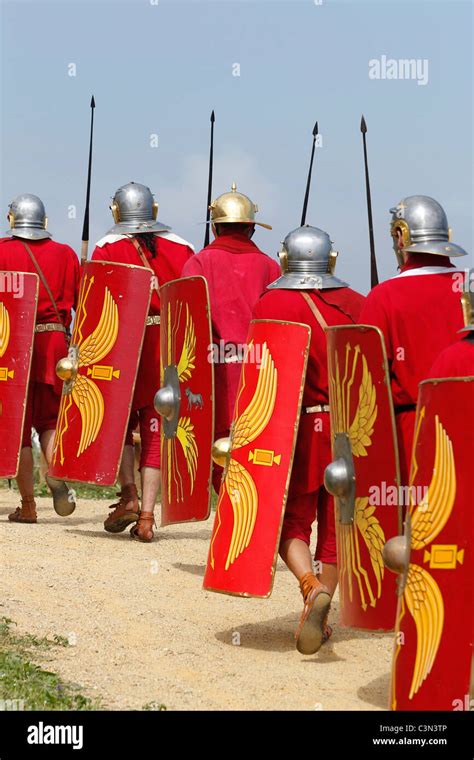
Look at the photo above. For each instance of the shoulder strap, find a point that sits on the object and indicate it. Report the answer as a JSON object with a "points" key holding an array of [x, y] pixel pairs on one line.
{"points": [[43, 280], [144, 260], [316, 313]]}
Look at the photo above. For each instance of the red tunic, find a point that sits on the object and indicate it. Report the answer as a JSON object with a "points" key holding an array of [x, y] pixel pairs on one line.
{"points": [[167, 265], [237, 273], [62, 271], [338, 306], [419, 314], [455, 361]]}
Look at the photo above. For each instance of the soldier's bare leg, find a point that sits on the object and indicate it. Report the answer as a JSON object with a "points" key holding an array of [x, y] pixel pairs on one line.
{"points": [[24, 477], [151, 481], [127, 466], [47, 442], [328, 576], [297, 556], [313, 629], [27, 512]]}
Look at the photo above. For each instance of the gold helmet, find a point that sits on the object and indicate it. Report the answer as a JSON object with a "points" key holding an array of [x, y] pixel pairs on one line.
{"points": [[234, 208]]}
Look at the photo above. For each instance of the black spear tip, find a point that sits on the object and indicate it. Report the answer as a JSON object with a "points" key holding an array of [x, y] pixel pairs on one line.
{"points": [[92, 102], [315, 130], [213, 117], [363, 125]]}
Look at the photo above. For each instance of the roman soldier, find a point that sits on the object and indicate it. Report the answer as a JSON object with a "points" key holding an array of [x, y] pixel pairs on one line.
{"points": [[138, 238], [308, 291], [458, 360], [237, 273], [419, 310], [29, 247]]}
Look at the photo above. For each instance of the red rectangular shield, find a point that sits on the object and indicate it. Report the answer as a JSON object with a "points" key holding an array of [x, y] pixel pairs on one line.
{"points": [[252, 498], [17, 326], [186, 341], [435, 625], [105, 348], [362, 416]]}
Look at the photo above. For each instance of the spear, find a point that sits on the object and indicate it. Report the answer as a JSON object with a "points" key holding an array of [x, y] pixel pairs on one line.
{"points": [[85, 228], [310, 171], [374, 277], [209, 184]]}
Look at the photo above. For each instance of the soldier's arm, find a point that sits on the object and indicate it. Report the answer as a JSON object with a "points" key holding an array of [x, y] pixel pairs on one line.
{"points": [[374, 312]]}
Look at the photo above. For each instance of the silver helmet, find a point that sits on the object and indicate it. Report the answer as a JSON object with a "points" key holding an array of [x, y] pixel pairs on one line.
{"points": [[135, 210], [424, 227], [27, 217], [307, 261]]}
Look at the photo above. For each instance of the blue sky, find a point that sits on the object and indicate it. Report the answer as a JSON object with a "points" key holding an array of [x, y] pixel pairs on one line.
{"points": [[161, 68]]}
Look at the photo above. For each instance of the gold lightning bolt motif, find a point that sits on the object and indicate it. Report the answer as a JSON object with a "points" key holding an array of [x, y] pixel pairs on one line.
{"points": [[185, 436], [353, 574]]}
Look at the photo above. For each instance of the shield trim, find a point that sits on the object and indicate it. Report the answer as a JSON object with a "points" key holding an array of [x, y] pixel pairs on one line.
{"points": [[126, 266], [35, 276], [333, 328], [396, 648], [246, 595], [208, 316]]}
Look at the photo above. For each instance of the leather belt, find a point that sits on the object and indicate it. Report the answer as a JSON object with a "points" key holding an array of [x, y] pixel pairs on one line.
{"points": [[153, 320], [316, 409], [49, 327]]}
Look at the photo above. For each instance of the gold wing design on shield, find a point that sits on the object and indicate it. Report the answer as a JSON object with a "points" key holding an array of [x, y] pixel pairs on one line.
{"points": [[422, 594], [425, 603], [4, 329], [360, 431], [238, 482], [185, 435], [434, 510], [85, 392]]}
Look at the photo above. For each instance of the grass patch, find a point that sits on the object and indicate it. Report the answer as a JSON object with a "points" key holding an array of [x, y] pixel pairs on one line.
{"points": [[156, 706], [82, 490], [25, 685]]}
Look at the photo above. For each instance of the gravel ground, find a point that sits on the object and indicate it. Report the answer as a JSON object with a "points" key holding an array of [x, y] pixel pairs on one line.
{"points": [[142, 629]]}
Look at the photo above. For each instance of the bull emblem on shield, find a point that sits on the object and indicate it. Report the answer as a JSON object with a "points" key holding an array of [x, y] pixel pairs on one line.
{"points": [[194, 400]]}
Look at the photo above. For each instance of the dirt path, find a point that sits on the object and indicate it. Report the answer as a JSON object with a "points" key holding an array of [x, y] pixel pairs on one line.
{"points": [[145, 631]]}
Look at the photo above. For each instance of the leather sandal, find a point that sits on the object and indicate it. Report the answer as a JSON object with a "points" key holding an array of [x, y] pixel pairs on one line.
{"points": [[125, 512], [313, 629], [143, 530], [26, 513]]}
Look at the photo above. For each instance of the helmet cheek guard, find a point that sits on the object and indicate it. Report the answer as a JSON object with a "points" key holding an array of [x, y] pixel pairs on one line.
{"points": [[283, 256], [332, 261], [114, 207]]}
